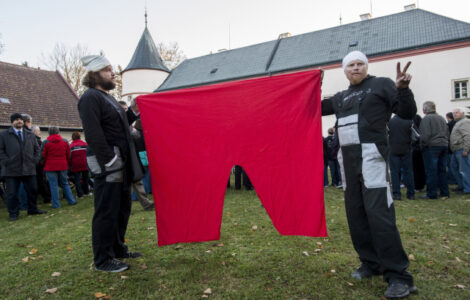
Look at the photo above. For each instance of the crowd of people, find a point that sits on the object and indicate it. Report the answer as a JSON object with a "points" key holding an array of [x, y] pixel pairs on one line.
{"points": [[426, 154]]}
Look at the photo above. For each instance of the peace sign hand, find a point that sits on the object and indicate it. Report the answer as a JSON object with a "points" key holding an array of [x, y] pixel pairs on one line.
{"points": [[403, 78]]}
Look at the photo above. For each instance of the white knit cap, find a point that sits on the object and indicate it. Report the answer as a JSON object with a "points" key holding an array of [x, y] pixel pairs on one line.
{"points": [[95, 63], [354, 55]]}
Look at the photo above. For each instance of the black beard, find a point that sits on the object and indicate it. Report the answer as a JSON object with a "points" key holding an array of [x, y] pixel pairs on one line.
{"points": [[105, 84]]}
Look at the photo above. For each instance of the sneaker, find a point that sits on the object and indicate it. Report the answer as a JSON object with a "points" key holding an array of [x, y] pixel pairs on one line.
{"points": [[363, 272], [396, 197], [410, 197], [399, 289], [339, 186], [426, 197], [112, 266], [130, 255], [13, 218], [150, 208]]}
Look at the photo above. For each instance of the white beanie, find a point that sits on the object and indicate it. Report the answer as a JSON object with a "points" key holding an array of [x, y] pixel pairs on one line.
{"points": [[95, 63], [354, 55]]}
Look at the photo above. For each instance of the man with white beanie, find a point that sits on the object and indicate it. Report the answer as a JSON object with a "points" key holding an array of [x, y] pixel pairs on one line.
{"points": [[109, 157], [363, 111]]}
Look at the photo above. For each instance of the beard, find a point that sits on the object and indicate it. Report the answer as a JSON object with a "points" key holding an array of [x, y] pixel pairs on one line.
{"points": [[106, 84]]}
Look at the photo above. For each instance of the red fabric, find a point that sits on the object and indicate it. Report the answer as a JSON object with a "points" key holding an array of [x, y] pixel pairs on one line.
{"points": [[78, 156], [270, 126], [56, 153]]}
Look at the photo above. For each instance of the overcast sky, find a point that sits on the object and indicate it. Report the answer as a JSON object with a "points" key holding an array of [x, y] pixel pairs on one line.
{"points": [[29, 28]]}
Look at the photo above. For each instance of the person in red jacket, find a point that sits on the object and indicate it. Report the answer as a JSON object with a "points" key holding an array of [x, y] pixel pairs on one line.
{"points": [[78, 165], [56, 159]]}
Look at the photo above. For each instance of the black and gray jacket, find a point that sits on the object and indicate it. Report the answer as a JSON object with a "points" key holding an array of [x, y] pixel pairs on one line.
{"points": [[18, 158]]}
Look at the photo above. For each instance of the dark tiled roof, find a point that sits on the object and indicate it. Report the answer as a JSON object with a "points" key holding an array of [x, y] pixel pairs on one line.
{"points": [[146, 55], [399, 32], [45, 95]]}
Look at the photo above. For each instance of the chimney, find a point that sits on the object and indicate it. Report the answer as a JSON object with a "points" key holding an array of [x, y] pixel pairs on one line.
{"points": [[366, 16], [410, 7], [284, 35]]}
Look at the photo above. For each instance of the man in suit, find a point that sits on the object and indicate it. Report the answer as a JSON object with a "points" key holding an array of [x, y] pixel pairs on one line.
{"points": [[19, 154], [109, 158]]}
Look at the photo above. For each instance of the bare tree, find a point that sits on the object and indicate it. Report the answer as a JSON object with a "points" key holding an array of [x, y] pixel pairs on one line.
{"points": [[171, 54], [117, 92], [2, 45], [67, 61]]}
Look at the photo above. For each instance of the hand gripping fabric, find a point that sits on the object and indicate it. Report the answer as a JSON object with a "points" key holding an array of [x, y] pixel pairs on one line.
{"points": [[270, 126]]}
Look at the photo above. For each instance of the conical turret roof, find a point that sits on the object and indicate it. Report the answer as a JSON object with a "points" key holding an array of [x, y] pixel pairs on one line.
{"points": [[146, 55]]}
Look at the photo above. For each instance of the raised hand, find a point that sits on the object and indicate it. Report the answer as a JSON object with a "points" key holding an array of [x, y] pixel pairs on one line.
{"points": [[403, 78]]}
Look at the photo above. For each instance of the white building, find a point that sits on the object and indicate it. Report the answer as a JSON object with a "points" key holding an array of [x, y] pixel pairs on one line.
{"points": [[145, 71], [437, 46]]}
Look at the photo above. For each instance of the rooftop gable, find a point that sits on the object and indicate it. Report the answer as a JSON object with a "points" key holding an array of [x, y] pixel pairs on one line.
{"points": [[146, 55], [45, 95]]}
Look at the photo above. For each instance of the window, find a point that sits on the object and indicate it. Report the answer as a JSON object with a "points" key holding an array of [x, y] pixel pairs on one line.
{"points": [[461, 89], [4, 101]]}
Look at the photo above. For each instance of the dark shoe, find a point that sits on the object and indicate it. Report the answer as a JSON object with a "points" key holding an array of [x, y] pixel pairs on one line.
{"points": [[396, 197], [457, 189], [410, 197], [130, 255], [37, 212], [426, 197], [398, 289], [112, 266], [363, 272], [151, 207], [74, 203], [13, 218], [444, 197]]}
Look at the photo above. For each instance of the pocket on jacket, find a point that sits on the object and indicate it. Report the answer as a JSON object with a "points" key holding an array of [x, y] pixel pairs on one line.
{"points": [[93, 165]]}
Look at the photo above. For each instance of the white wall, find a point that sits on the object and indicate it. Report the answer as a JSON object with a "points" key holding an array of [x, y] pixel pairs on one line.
{"points": [[432, 79], [137, 82]]}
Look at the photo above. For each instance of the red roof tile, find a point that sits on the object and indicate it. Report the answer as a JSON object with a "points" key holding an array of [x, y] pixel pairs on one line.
{"points": [[45, 95]]}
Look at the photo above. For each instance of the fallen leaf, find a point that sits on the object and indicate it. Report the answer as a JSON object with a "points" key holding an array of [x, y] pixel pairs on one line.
{"points": [[223, 263], [411, 257], [453, 225], [144, 267], [107, 297], [149, 228], [204, 296], [143, 219], [68, 248], [56, 274], [220, 245], [40, 257], [111, 288], [234, 254], [208, 251], [319, 245], [305, 253], [26, 259], [333, 271], [178, 247], [33, 251], [411, 220], [460, 286], [126, 240], [99, 295], [124, 277], [317, 250], [430, 262], [467, 253], [255, 227], [349, 283], [208, 291], [329, 274], [227, 214], [458, 259], [447, 247], [51, 291]]}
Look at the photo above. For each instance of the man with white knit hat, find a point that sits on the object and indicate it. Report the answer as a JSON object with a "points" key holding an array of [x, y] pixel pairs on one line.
{"points": [[363, 111], [109, 155]]}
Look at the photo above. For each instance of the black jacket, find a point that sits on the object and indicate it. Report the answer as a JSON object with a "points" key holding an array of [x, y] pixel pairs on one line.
{"points": [[105, 125], [399, 135], [18, 158]]}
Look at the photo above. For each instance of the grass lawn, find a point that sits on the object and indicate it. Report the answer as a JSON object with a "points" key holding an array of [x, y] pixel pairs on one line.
{"points": [[246, 263]]}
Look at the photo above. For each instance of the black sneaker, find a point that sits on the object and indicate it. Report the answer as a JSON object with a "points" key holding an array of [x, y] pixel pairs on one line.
{"points": [[130, 255], [364, 272], [396, 196], [112, 266], [37, 212], [399, 289]]}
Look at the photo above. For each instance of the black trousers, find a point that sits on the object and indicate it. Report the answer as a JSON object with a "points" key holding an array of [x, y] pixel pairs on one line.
{"points": [[112, 211], [13, 186], [81, 188], [43, 186], [372, 221]]}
